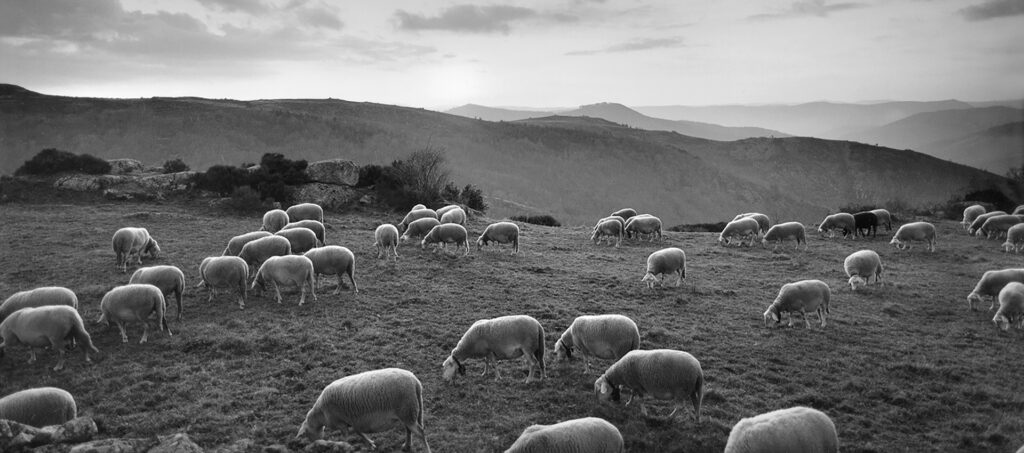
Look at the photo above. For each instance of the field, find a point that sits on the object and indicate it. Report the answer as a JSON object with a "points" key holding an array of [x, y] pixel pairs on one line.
{"points": [[902, 366]]}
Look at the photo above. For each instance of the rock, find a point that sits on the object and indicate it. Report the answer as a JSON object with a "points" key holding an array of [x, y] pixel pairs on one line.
{"points": [[125, 166], [115, 446], [328, 196], [18, 437], [368, 200], [176, 443], [329, 446], [334, 171], [84, 183], [239, 446], [169, 182]]}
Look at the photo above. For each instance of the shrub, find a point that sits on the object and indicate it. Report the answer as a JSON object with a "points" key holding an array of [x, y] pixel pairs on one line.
{"points": [[853, 209], [369, 175], [700, 227], [244, 199], [545, 220], [419, 178], [994, 196], [175, 166], [51, 161], [473, 197], [222, 179], [276, 175]]}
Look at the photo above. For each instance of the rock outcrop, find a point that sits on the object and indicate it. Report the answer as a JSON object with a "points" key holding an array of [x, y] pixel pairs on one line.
{"points": [[339, 172]]}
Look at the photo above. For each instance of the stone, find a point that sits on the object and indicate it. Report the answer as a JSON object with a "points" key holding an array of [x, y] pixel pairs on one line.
{"points": [[329, 446], [328, 196], [334, 171], [176, 443], [84, 183], [114, 446], [125, 166]]}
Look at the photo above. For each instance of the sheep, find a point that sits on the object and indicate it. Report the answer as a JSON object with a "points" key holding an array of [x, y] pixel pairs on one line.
{"points": [[256, 252], [236, 243], [624, 213], [305, 211], [440, 211], [997, 226], [590, 434], [802, 296], [1019, 210], [744, 227], [38, 297], [627, 221], [646, 224], [611, 217], [417, 214], [991, 283], [300, 239], [665, 262], [763, 221], [133, 302], [369, 402], [419, 228], [970, 213], [611, 228], [1014, 238], [291, 270], [602, 336], [839, 221], [915, 231], [861, 266], [418, 207], [665, 374], [457, 216], [224, 271], [980, 220], [274, 220], [39, 327], [386, 237], [500, 233], [334, 259], [783, 232], [39, 407], [884, 218], [128, 241], [792, 430], [866, 221], [502, 338], [169, 279], [315, 226], [445, 233], [1011, 306]]}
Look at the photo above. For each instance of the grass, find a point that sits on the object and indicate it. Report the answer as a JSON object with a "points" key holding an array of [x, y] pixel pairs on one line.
{"points": [[902, 366]]}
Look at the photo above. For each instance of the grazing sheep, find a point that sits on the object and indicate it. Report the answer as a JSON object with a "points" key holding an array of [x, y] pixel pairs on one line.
{"points": [[602, 336], [502, 338], [419, 228], [318, 228], [1019, 210], [792, 430], [445, 233], [414, 215], [839, 221], [665, 262], [334, 260], [500, 233], [291, 270], [128, 241], [133, 302], [784, 232], [305, 211], [991, 283], [665, 374], [861, 266], [802, 296], [386, 237], [1011, 306], [300, 239], [236, 243], [611, 217], [970, 213], [744, 227], [418, 207], [440, 211], [643, 224], [274, 220], [369, 402], [169, 279], [624, 213], [916, 231], [39, 407], [38, 297], [590, 434], [225, 272], [763, 221], [457, 216], [611, 228], [997, 226], [1014, 238], [884, 218], [980, 220], [866, 221], [39, 327], [256, 252]]}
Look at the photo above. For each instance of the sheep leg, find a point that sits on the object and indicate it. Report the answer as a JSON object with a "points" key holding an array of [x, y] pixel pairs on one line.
{"points": [[145, 331], [278, 292], [120, 326], [821, 316], [31, 354], [60, 356], [355, 288], [373, 445]]}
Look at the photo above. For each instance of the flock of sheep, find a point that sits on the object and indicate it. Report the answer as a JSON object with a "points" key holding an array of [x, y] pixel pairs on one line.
{"points": [[290, 250]]}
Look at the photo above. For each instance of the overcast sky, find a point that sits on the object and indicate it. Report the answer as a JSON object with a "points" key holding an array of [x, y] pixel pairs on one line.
{"points": [[542, 53]]}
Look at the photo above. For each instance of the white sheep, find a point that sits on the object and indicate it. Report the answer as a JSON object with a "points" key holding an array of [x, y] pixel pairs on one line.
{"points": [[784, 232], [386, 237], [624, 213], [665, 374], [274, 220], [318, 228], [419, 228], [39, 327], [980, 220], [802, 296], [915, 231], [300, 239], [445, 233], [418, 207], [169, 279], [224, 272], [793, 430], [414, 215], [763, 221], [643, 224], [502, 338], [500, 233], [991, 283], [334, 260], [1011, 306], [456, 215], [128, 241], [610, 228], [256, 252], [861, 266], [626, 222], [369, 402], [440, 211], [1014, 238], [997, 226], [611, 217], [236, 243], [743, 228], [291, 270], [133, 302], [603, 336], [884, 218], [38, 297], [39, 407], [970, 213], [665, 262], [305, 211], [842, 221], [1019, 210], [590, 434]]}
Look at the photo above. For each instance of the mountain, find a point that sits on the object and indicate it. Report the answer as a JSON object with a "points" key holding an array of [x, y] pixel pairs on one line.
{"points": [[496, 114], [574, 168], [995, 149]]}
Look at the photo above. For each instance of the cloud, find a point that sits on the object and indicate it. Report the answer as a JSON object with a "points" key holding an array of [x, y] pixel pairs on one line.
{"points": [[992, 9], [634, 46], [475, 19], [252, 7], [813, 8]]}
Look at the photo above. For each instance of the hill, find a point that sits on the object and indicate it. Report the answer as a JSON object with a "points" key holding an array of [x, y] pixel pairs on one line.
{"points": [[995, 149]]}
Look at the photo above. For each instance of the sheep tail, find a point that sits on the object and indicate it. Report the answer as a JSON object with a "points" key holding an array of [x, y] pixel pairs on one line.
{"points": [[80, 335], [539, 352], [698, 395]]}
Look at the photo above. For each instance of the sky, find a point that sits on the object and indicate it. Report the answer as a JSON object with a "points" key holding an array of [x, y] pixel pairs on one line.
{"points": [[539, 53]]}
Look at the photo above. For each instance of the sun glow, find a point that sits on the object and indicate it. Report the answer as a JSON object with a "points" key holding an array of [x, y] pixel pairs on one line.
{"points": [[454, 84]]}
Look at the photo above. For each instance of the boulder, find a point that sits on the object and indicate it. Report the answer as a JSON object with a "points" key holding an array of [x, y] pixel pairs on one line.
{"points": [[16, 437], [334, 171], [328, 196], [177, 443], [83, 183], [114, 446], [125, 166]]}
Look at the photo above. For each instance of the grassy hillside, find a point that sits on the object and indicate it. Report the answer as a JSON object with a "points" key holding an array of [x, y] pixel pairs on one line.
{"points": [[902, 366], [996, 149]]}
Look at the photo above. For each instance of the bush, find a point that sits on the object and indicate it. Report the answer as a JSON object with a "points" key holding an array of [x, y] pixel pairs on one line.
{"points": [[545, 220], [244, 199], [420, 178], [175, 166], [275, 176], [222, 179], [994, 196], [700, 227], [473, 197], [853, 209], [51, 161], [369, 175]]}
